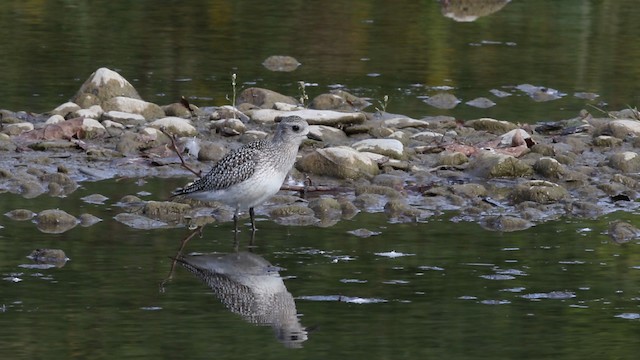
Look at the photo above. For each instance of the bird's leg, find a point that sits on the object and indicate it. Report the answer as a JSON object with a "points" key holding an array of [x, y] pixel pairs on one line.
{"points": [[252, 215], [235, 221]]}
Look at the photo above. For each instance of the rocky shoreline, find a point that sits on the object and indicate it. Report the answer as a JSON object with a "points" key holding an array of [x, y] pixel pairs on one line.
{"points": [[502, 175]]}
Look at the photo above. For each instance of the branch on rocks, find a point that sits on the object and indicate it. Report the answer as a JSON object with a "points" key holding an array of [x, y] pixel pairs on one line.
{"points": [[174, 147]]}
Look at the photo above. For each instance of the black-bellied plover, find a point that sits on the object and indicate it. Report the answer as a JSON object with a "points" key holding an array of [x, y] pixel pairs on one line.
{"points": [[248, 285], [250, 175]]}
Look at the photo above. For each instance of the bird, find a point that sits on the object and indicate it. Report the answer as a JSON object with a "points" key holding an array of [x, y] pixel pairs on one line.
{"points": [[250, 175], [250, 286]]}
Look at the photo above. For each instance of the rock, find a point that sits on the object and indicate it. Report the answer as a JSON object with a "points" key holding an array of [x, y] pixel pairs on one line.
{"points": [[505, 223], [55, 221], [443, 101], [54, 257], [140, 222], [124, 118], [339, 161], [211, 151], [91, 129], [87, 220], [481, 103], [175, 125], [405, 122], [549, 167], [491, 125], [281, 63], [313, 117], [387, 147], [229, 127], [327, 209], [607, 141], [539, 191], [338, 100], [515, 137], [177, 109], [468, 11], [149, 110], [399, 211], [103, 85], [379, 190], [427, 136], [54, 119], [17, 128], [622, 128], [364, 233], [329, 135], [489, 164], [469, 190], [229, 112], [287, 211], [66, 184], [622, 232], [166, 211], [263, 98], [627, 161], [93, 112], [20, 214], [452, 158], [65, 109]]}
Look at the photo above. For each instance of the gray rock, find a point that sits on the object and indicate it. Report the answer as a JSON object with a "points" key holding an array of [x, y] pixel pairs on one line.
{"points": [[549, 167], [491, 125], [55, 221], [281, 63], [339, 161], [489, 164], [149, 110], [263, 98], [505, 223], [539, 191], [627, 161], [443, 101], [313, 117], [175, 125], [102, 85], [481, 103], [338, 100], [387, 147], [624, 127], [622, 232], [124, 118]]}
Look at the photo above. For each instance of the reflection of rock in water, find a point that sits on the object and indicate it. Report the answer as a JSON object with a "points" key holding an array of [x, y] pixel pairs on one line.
{"points": [[470, 10], [250, 286]]}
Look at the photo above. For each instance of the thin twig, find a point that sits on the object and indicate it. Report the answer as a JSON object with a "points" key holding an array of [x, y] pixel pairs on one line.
{"points": [[174, 147]]}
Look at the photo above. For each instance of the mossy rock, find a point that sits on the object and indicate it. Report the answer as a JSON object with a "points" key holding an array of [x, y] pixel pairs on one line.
{"points": [[539, 191]]}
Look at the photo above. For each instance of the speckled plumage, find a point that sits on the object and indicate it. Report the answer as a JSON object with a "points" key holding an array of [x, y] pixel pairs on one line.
{"points": [[249, 175]]}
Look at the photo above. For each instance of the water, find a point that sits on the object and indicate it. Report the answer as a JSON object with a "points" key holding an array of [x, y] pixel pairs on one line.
{"points": [[438, 289], [558, 290]]}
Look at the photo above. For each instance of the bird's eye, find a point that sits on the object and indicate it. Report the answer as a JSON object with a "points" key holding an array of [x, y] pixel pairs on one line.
{"points": [[296, 128]]}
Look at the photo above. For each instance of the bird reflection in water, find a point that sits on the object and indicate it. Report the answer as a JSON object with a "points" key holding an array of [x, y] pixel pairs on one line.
{"points": [[251, 287]]}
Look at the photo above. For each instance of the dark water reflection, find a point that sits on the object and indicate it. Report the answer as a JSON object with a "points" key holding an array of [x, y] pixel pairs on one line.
{"points": [[407, 50], [248, 285], [438, 289]]}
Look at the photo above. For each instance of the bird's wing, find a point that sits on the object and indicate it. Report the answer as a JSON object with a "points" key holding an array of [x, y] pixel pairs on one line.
{"points": [[233, 168]]}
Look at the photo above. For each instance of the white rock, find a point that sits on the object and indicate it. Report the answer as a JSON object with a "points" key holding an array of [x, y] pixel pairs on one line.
{"points": [[112, 124], [103, 75], [124, 117], [403, 122], [175, 125], [93, 112], [313, 117], [427, 136], [339, 161], [507, 139], [92, 125], [54, 119], [285, 107], [388, 147], [623, 127], [66, 108], [17, 128]]}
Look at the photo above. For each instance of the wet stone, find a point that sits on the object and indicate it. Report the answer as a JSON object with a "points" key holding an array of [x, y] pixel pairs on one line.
{"points": [[539, 191], [505, 223], [20, 214]]}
